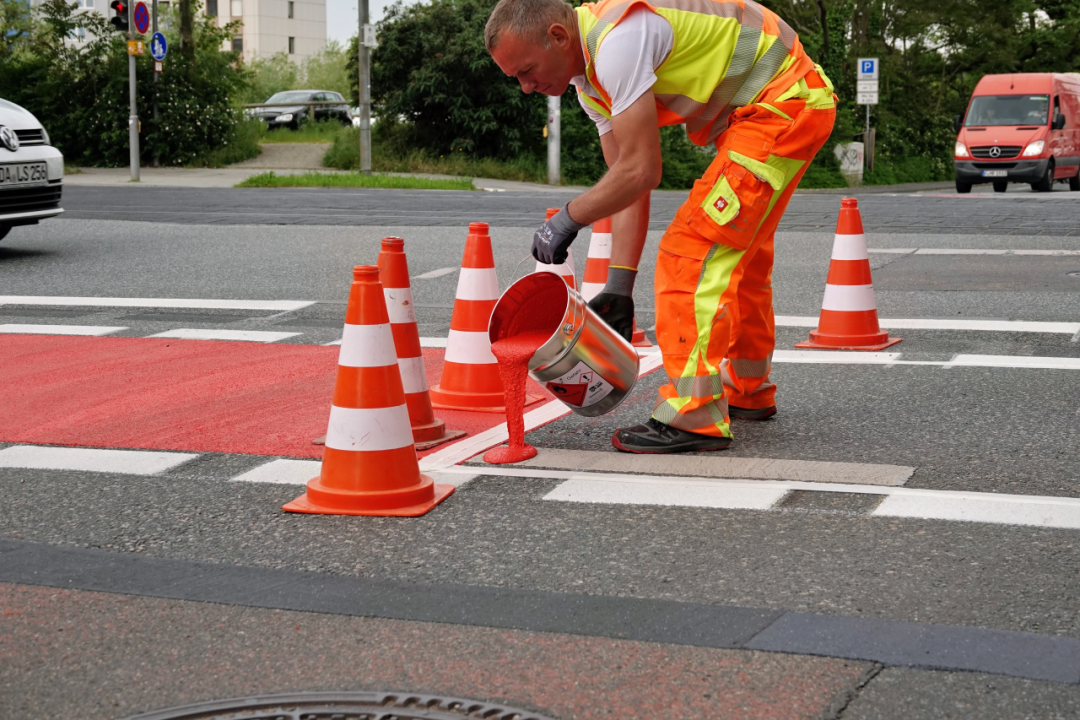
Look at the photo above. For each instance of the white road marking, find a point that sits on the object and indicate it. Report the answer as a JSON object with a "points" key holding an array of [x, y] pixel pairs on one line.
{"points": [[241, 335], [155, 302], [433, 342], [282, 472], [713, 465], [1065, 328], [85, 330], [298, 472], [127, 462], [985, 508], [677, 494], [1008, 361], [432, 274], [465, 449], [1029, 510], [968, 251]]}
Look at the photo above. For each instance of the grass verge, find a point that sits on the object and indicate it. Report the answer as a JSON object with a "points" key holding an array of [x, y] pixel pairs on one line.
{"points": [[320, 132], [317, 179]]}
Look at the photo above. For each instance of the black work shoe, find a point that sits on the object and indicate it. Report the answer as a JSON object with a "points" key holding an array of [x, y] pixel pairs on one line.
{"points": [[747, 414], [656, 437]]}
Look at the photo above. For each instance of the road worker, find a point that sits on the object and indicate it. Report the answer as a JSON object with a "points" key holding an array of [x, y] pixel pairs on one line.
{"points": [[737, 76]]}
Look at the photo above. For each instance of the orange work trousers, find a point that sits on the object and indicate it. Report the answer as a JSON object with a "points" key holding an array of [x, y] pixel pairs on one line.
{"points": [[714, 313]]}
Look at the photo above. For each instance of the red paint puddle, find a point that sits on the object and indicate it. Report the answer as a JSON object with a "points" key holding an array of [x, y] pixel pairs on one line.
{"points": [[525, 333]]}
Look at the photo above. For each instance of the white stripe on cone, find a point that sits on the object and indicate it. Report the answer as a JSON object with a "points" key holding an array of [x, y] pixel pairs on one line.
{"points": [[591, 290], [600, 246], [399, 305], [369, 429], [469, 348], [478, 284], [849, 247], [565, 269], [849, 298], [413, 377], [367, 346]]}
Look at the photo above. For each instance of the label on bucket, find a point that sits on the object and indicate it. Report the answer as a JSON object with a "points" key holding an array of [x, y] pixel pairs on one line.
{"points": [[581, 387]]}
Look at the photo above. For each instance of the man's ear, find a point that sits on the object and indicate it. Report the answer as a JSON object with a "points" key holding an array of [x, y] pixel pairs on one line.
{"points": [[559, 35]]}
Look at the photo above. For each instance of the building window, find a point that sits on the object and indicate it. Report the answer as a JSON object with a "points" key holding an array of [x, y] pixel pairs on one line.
{"points": [[292, 45], [238, 44], [211, 8], [85, 3], [237, 8], [291, 14]]}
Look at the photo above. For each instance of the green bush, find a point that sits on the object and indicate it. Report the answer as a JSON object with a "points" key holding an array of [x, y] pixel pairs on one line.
{"points": [[328, 69], [80, 92]]}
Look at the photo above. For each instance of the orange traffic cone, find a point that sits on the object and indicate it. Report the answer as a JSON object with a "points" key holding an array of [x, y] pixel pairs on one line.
{"points": [[849, 318], [564, 270], [369, 465], [596, 270], [428, 430], [596, 264], [470, 377]]}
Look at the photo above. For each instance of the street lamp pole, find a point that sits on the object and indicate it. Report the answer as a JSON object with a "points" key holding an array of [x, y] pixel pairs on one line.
{"points": [[133, 118], [364, 62]]}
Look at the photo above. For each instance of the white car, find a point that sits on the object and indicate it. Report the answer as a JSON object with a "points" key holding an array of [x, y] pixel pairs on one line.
{"points": [[31, 170]]}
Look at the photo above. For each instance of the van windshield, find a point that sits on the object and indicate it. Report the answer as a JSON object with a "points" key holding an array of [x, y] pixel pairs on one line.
{"points": [[988, 110]]}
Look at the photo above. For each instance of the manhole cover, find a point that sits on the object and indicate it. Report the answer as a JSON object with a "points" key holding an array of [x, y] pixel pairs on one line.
{"points": [[341, 706]]}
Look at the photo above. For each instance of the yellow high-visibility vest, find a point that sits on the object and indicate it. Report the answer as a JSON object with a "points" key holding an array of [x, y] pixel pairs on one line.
{"points": [[725, 55]]}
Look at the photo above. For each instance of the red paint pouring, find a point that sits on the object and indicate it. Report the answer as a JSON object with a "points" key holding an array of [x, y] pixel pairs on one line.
{"points": [[526, 332]]}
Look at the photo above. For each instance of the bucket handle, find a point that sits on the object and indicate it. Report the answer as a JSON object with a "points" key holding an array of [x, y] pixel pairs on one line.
{"points": [[514, 276]]}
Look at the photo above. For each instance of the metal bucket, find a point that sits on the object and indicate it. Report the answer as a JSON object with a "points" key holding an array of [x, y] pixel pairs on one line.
{"points": [[586, 364]]}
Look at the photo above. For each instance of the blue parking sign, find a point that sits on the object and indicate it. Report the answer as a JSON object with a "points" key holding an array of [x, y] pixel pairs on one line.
{"points": [[867, 69]]}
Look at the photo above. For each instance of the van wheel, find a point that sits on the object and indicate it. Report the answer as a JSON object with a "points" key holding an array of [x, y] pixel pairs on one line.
{"points": [[1047, 182], [1001, 185], [963, 188], [1074, 182]]}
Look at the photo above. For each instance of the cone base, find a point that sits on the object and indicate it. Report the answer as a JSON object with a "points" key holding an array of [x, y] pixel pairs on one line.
{"points": [[304, 504], [865, 343], [639, 339], [450, 435], [429, 431], [473, 402]]}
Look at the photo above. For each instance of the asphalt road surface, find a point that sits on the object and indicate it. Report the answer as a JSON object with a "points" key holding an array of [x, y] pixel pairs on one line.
{"points": [[921, 560]]}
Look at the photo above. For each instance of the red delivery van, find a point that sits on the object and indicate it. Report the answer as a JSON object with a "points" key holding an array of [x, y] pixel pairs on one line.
{"points": [[1020, 128]]}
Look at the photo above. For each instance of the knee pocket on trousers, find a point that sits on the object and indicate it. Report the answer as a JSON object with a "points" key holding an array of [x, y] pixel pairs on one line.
{"points": [[742, 191]]}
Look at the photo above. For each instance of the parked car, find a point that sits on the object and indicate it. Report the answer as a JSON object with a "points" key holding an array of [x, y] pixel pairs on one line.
{"points": [[295, 110], [31, 170], [1023, 127]]}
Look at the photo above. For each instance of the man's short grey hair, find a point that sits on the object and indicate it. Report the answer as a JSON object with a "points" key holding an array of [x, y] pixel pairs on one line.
{"points": [[528, 19]]}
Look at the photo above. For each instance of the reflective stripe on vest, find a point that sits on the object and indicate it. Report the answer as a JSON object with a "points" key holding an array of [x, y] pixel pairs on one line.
{"points": [[710, 37]]}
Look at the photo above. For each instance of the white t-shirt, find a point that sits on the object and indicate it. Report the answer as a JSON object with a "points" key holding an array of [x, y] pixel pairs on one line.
{"points": [[626, 62]]}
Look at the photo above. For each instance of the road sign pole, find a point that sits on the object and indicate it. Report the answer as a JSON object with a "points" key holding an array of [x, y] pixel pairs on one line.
{"points": [[364, 81], [157, 159], [133, 118]]}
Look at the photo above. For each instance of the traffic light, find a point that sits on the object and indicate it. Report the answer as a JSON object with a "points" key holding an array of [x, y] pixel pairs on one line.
{"points": [[120, 20]]}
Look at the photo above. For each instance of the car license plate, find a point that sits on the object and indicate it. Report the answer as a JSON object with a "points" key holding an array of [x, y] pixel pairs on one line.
{"points": [[995, 173], [35, 173]]}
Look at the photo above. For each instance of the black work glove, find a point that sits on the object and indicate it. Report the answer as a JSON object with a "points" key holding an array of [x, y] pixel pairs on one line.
{"points": [[552, 240], [617, 311]]}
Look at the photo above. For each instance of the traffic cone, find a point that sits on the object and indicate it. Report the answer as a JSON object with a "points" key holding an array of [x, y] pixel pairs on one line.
{"points": [[849, 318], [596, 265], [596, 270], [564, 270], [428, 430], [369, 466], [470, 377]]}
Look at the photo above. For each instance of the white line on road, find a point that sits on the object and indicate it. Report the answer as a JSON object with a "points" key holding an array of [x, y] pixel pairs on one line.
{"points": [[84, 330], [968, 251], [196, 303], [1030, 510], [127, 462], [241, 335], [1066, 328], [1008, 361], [432, 274], [298, 472]]}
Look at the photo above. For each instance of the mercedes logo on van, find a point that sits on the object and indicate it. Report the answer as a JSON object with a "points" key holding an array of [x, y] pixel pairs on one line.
{"points": [[995, 151], [8, 138]]}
